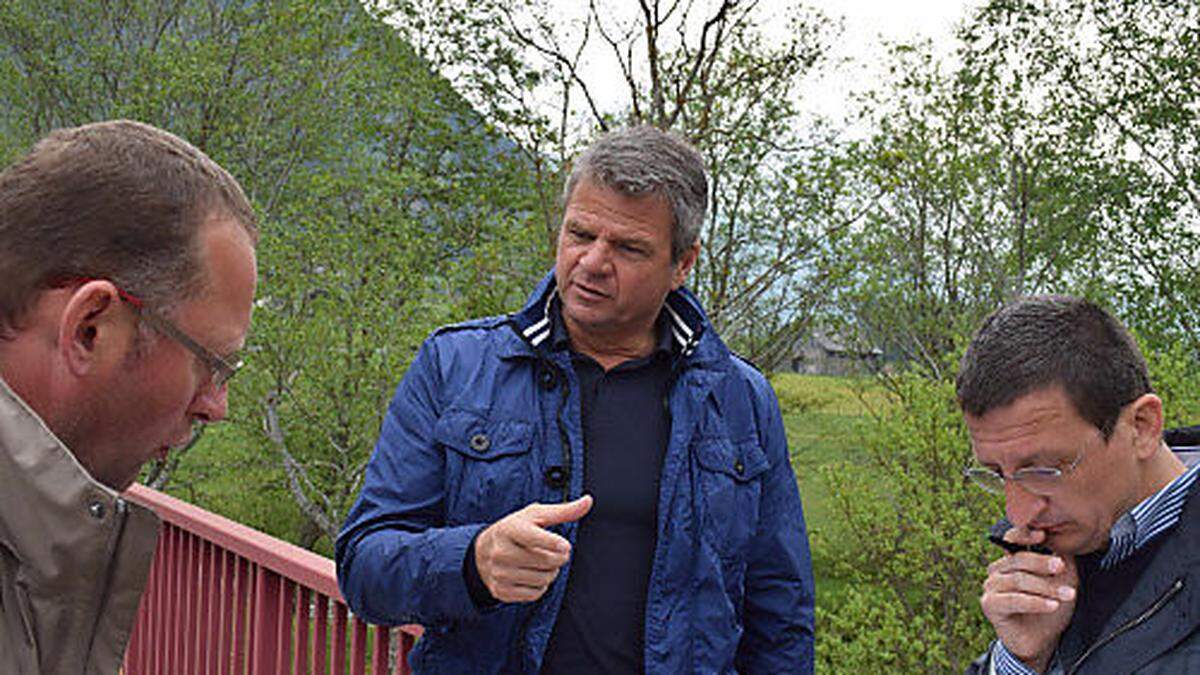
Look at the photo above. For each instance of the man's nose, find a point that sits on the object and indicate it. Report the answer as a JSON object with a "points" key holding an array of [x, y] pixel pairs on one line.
{"points": [[211, 404], [597, 256], [1020, 505]]}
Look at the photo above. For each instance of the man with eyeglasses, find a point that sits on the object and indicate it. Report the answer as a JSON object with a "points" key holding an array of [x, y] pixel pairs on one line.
{"points": [[128, 274], [1103, 524]]}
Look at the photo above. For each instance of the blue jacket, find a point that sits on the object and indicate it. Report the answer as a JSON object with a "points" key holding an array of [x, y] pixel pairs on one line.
{"points": [[486, 414]]}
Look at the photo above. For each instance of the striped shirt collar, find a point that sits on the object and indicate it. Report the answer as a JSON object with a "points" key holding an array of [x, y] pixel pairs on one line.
{"points": [[536, 324], [1154, 515], [663, 342]]}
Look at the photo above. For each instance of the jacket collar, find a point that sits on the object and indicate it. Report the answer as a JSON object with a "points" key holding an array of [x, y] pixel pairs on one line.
{"points": [[1171, 579], [694, 338], [41, 480], [84, 553]]}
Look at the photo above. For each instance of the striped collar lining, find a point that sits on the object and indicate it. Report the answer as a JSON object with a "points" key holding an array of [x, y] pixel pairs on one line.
{"points": [[1154, 515], [539, 331]]}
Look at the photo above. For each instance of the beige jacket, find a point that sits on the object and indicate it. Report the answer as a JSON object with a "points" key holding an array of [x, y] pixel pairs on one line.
{"points": [[74, 555]]}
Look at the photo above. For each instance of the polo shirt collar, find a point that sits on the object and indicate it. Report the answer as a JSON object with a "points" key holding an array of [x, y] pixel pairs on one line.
{"points": [[560, 340], [684, 319]]}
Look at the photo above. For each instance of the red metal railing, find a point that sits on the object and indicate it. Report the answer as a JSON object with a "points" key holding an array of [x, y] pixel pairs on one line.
{"points": [[226, 599]]}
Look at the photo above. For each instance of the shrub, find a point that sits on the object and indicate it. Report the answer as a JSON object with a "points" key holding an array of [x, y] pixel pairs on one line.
{"points": [[912, 572]]}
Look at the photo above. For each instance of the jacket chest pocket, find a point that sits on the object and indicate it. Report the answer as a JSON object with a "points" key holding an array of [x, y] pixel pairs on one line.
{"points": [[489, 467], [729, 489]]}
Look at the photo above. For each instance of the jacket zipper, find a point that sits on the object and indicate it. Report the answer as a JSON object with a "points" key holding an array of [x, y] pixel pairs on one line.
{"points": [[114, 541], [1129, 625], [676, 369]]}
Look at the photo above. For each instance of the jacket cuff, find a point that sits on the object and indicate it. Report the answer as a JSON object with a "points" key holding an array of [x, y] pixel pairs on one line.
{"points": [[478, 590]]}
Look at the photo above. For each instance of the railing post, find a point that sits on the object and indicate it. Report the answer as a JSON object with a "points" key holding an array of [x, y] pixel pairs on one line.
{"points": [[243, 600], [264, 628], [224, 599], [300, 645], [380, 650], [321, 636], [224, 644], [190, 582], [174, 597], [358, 648], [283, 621], [339, 639]]}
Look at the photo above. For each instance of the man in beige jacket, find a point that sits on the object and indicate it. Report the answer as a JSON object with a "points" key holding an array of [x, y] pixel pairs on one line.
{"points": [[127, 276]]}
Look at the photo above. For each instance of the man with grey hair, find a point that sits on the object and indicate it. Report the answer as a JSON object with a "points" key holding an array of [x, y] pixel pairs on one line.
{"points": [[595, 483], [127, 257]]}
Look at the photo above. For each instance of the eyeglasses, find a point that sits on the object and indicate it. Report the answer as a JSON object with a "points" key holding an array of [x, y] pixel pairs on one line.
{"points": [[1038, 480], [220, 369]]}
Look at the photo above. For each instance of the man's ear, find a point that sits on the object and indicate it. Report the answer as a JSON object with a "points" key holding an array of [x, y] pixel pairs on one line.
{"points": [[93, 328], [1146, 418], [684, 265]]}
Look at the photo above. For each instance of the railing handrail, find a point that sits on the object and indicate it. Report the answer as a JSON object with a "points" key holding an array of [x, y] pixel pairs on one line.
{"points": [[288, 560], [225, 598]]}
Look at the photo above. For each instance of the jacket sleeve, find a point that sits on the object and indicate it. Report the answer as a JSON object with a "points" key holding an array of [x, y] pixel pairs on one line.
{"points": [[397, 562], [778, 613]]}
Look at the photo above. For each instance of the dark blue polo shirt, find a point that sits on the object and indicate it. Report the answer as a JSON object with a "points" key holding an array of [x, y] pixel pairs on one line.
{"points": [[626, 426]]}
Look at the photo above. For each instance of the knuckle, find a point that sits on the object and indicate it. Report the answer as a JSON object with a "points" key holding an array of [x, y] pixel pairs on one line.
{"points": [[987, 599]]}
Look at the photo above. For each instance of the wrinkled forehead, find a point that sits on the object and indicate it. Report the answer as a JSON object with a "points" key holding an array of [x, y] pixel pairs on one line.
{"points": [[1041, 421]]}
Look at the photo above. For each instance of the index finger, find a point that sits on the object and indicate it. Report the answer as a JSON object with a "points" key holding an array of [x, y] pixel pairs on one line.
{"points": [[1025, 536], [527, 534], [545, 515], [1039, 564]]}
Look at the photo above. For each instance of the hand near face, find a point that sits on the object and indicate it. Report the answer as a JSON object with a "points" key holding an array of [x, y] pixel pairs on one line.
{"points": [[1029, 598], [518, 558]]}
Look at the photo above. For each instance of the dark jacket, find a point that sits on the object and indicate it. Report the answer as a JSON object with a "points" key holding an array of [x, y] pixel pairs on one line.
{"points": [[481, 420], [1154, 632]]}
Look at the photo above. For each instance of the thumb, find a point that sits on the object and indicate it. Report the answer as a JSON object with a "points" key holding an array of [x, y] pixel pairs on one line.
{"points": [[544, 515]]}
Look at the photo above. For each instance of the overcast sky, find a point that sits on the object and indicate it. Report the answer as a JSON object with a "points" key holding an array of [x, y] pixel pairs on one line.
{"points": [[867, 24]]}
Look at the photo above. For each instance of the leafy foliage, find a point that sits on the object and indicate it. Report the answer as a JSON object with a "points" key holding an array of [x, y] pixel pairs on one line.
{"points": [[388, 206], [706, 70], [917, 555]]}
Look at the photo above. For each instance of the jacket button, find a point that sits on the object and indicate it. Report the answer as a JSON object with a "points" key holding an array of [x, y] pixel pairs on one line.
{"points": [[556, 477], [480, 442], [547, 379], [739, 467], [97, 510]]}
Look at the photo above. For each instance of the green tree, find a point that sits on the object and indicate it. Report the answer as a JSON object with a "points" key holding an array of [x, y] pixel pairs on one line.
{"points": [[388, 206], [706, 70], [980, 201], [1121, 80]]}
